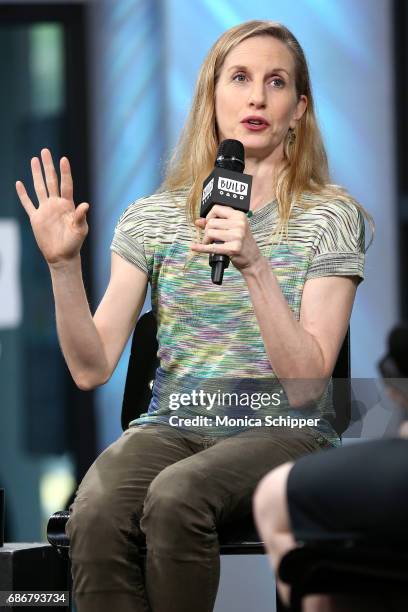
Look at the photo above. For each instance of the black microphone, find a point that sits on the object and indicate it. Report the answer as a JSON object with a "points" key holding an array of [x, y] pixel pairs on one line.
{"points": [[228, 186]]}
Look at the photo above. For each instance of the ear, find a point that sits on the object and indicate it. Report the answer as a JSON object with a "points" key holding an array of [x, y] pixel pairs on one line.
{"points": [[299, 110]]}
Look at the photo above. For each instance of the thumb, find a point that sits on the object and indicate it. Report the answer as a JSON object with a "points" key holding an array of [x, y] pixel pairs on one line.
{"points": [[80, 213]]}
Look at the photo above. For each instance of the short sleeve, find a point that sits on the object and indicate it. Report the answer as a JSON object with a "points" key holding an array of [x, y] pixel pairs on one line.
{"points": [[129, 239], [339, 247]]}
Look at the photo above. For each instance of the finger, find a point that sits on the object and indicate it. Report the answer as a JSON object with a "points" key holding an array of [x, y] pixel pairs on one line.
{"points": [[24, 199], [217, 223], [50, 174], [224, 235], [224, 212], [221, 249], [200, 222], [67, 187], [80, 213], [38, 180]]}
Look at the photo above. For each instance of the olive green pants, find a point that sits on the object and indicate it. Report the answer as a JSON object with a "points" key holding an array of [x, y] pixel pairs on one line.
{"points": [[170, 489]]}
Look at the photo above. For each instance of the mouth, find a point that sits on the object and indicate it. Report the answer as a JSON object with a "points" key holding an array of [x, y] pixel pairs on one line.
{"points": [[255, 123]]}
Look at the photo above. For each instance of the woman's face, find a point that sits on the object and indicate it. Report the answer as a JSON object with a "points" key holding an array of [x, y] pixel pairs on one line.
{"points": [[255, 96]]}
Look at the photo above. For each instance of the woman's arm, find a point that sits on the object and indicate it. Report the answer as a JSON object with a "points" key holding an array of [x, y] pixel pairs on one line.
{"points": [[92, 346], [305, 350]]}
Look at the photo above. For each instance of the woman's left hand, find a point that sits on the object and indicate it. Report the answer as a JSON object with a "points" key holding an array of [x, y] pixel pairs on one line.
{"points": [[232, 227]]}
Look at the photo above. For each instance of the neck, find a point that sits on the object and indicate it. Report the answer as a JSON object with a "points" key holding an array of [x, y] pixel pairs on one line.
{"points": [[264, 172]]}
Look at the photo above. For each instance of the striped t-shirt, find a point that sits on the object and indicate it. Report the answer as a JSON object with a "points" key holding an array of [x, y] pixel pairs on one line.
{"points": [[208, 335]]}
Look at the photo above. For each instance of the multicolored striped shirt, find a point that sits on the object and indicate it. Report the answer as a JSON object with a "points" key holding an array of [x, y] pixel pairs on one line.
{"points": [[208, 335]]}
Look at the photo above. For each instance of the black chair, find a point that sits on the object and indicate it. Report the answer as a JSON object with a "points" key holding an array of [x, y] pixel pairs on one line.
{"points": [[236, 538], [348, 567]]}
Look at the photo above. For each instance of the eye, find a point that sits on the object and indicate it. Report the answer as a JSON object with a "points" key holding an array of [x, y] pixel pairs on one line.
{"points": [[236, 77], [278, 82]]}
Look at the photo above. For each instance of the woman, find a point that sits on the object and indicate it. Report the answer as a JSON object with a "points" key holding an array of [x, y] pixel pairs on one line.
{"points": [[281, 313]]}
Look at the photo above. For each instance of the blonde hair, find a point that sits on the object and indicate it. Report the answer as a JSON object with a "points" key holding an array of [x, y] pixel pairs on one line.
{"points": [[305, 166]]}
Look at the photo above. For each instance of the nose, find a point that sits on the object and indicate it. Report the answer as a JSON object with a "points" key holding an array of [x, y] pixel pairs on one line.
{"points": [[257, 95]]}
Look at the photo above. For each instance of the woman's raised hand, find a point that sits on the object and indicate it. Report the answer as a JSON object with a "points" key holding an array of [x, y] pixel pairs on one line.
{"points": [[59, 228]]}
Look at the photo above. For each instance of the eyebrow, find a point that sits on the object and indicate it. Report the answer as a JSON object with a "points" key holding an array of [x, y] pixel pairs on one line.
{"points": [[273, 71]]}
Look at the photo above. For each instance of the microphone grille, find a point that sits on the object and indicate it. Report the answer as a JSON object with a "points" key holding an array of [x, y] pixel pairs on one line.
{"points": [[229, 148], [231, 155]]}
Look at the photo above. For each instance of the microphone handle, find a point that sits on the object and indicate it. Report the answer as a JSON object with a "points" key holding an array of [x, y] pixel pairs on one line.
{"points": [[218, 264]]}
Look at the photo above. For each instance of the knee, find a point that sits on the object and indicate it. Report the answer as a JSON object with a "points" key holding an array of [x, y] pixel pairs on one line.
{"points": [[269, 501], [175, 500], [91, 522]]}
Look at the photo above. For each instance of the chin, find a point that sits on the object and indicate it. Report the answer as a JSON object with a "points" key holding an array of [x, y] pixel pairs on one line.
{"points": [[254, 144], [256, 148]]}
